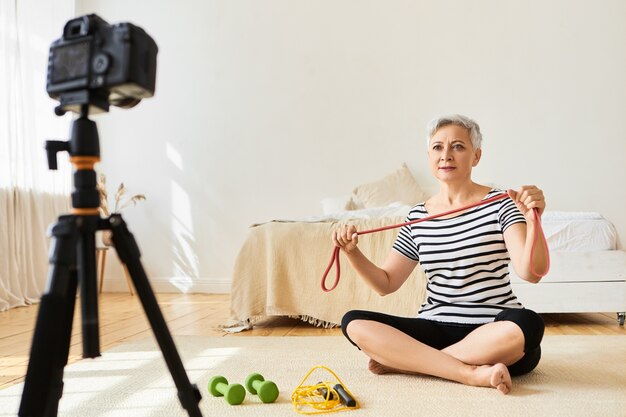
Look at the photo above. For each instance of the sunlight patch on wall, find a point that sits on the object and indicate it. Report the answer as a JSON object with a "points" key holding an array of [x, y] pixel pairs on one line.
{"points": [[174, 156], [186, 261]]}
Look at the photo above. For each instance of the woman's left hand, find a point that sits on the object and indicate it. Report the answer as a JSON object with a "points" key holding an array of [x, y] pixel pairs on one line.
{"points": [[528, 197]]}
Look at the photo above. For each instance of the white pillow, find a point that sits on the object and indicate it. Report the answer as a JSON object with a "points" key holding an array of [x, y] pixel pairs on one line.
{"points": [[334, 205], [399, 186]]}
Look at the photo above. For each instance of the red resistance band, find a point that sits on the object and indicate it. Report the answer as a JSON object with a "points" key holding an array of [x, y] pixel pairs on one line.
{"points": [[335, 257]]}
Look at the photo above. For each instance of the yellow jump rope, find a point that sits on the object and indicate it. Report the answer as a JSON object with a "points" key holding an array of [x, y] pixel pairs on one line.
{"points": [[323, 397]]}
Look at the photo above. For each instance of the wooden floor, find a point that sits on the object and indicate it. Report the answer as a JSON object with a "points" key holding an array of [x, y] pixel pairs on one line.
{"points": [[122, 319]]}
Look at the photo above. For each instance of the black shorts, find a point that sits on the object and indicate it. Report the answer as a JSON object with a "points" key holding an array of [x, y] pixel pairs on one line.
{"points": [[440, 335]]}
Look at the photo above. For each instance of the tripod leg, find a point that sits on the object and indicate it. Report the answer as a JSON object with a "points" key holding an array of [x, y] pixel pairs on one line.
{"points": [[43, 385], [129, 254], [88, 285]]}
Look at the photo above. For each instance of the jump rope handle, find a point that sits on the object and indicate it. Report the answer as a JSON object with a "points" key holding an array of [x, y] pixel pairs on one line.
{"points": [[334, 260], [344, 397]]}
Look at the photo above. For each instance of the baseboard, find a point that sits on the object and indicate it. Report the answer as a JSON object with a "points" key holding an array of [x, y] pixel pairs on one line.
{"points": [[175, 285]]}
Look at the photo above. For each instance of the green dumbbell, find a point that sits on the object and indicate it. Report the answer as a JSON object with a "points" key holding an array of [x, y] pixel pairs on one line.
{"points": [[266, 390], [233, 393]]}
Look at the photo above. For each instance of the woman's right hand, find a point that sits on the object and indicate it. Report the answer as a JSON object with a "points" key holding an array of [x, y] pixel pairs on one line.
{"points": [[346, 238]]}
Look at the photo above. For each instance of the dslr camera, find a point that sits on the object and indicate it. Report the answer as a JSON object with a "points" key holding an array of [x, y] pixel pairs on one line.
{"points": [[98, 64]]}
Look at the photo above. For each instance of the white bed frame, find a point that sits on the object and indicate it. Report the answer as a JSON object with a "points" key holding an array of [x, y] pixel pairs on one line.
{"points": [[578, 282]]}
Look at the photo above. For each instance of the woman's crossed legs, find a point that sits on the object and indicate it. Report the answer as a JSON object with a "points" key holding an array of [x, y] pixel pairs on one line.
{"points": [[479, 355]]}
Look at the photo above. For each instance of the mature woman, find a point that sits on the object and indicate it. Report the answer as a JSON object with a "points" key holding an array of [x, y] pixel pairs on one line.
{"points": [[471, 328]]}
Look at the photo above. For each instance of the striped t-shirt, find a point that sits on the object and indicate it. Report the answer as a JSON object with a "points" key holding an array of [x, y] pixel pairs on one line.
{"points": [[465, 261]]}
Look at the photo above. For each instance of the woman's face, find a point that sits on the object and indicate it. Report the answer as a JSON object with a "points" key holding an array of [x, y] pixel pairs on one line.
{"points": [[451, 154]]}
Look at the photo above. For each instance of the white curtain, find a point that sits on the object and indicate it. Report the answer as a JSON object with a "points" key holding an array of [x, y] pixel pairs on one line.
{"points": [[31, 196]]}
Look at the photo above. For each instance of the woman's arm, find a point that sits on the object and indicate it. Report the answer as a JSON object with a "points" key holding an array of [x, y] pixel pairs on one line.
{"points": [[520, 238], [384, 280]]}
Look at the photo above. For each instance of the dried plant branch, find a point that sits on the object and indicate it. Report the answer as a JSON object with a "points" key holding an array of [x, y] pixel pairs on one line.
{"points": [[121, 190], [133, 200], [104, 197], [120, 201]]}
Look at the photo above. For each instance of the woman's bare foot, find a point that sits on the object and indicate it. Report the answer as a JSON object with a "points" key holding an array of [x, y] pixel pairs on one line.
{"points": [[496, 376], [380, 369]]}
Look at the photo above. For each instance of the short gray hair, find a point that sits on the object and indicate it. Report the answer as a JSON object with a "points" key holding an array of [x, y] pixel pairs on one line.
{"points": [[458, 120]]}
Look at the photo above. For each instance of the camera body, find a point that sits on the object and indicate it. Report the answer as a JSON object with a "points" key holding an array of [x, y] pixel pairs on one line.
{"points": [[99, 64]]}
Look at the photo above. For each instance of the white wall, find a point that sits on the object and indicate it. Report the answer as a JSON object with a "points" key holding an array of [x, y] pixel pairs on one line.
{"points": [[263, 108]]}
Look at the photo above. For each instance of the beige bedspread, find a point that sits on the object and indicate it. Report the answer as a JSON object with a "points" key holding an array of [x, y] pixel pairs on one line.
{"points": [[280, 266]]}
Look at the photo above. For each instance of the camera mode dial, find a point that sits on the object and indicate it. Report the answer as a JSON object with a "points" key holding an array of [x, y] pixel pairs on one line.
{"points": [[101, 63]]}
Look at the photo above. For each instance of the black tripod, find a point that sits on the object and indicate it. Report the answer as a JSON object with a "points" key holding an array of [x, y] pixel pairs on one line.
{"points": [[73, 266]]}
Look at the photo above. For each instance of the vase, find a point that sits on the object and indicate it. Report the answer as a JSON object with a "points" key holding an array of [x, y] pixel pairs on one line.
{"points": [[107, 238]]}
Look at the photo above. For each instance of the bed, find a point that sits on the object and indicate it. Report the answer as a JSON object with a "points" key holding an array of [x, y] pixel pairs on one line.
{"points": [[588, 273], [280, 264]]}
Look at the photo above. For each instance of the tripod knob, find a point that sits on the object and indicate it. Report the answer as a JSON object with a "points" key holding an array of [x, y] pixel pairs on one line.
{"points": [[52, 148]]}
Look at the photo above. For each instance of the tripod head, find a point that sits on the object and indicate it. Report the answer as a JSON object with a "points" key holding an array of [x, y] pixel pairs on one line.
{"points": [[84, 150]]}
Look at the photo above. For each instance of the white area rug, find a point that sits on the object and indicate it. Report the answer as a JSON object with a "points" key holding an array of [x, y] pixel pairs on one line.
{"points": [[578, 376]]}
